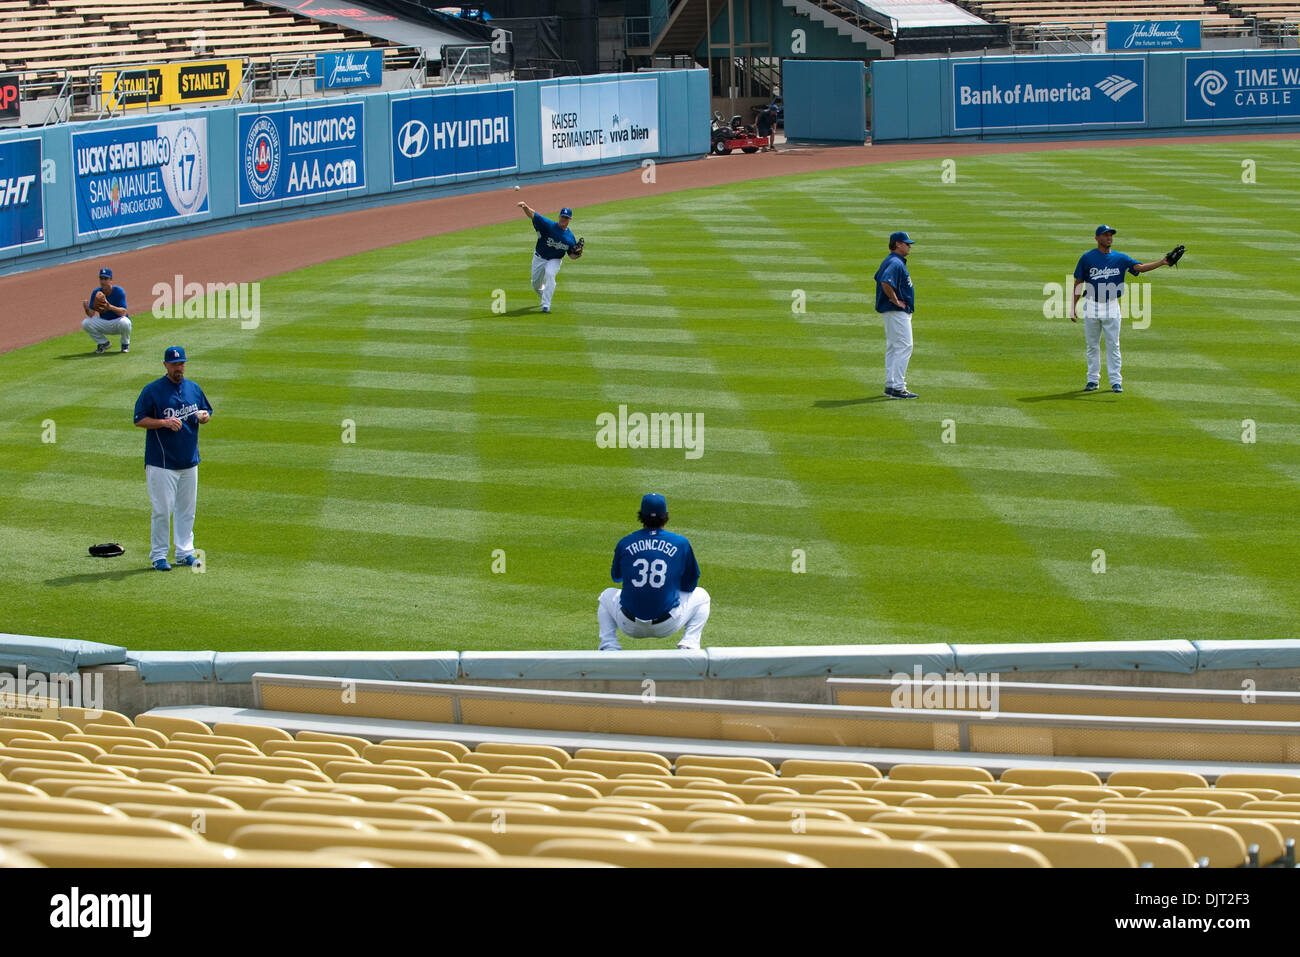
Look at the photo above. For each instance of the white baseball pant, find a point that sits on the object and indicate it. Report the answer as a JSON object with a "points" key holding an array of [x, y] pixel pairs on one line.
{"points": [[691, 613], [898, 347], [544, 271], [100, 329], [174, 494], [1094, 326]]}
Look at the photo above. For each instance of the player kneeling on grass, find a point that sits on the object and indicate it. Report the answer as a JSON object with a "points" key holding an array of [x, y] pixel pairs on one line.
{"points": [[1099, 278], [660, 579], [106, 314]]}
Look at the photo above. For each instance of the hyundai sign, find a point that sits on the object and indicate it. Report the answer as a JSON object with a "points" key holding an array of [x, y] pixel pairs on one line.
{"points": [[453, 134]]}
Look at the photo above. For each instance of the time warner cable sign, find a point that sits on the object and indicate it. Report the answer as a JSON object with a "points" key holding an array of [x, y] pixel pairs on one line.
{"points": [[449, 134], [1261, 86], [598, 121], [140, 174], [1056, 91], [301, 151], [22, 214]]}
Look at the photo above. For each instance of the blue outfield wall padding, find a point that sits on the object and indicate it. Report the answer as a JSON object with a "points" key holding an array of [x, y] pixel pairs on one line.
{"points": [[239, 667], [56, 655], [811, 661], [810, 114], [1174, 656], [157, 666], [660, 663], [1223, 655]]}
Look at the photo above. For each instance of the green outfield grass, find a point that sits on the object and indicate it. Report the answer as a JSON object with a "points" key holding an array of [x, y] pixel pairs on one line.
{"points": [[476, 430]]}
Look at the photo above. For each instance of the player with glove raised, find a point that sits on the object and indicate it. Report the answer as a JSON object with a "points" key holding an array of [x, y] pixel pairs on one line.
{"points": [[1099, 280], [106, 314], [554, 242]]}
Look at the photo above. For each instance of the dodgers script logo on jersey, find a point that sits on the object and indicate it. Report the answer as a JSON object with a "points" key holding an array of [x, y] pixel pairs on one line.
{"points": [[1107, 272], [184, 412], [262, 157]]}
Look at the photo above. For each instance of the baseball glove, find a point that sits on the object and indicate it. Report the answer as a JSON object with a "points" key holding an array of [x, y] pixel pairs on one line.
{"points": [[1175, 254], [107, 550], [576, 250], [100, 302]]}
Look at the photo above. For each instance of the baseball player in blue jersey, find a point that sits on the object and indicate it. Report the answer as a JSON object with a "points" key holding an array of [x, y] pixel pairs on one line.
{"points": [[1101, 273], [172, 408], [660, 591], [106, 314], [896, 301], [554, 241]]}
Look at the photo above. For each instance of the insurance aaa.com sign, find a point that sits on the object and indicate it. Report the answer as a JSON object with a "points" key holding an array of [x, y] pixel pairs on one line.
{"points": [[301, 151]]}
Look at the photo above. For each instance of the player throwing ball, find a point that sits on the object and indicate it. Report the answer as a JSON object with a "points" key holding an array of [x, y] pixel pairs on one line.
{"points": [[660, 579], [554, 241], [1101, 272]]}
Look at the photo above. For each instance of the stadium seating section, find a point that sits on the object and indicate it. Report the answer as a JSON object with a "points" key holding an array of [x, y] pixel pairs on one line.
{"points": [[90, 789], [39, 38], [1079, 15]]}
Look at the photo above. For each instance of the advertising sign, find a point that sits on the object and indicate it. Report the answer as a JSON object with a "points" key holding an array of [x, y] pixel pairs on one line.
{"points": [[301, 151], [171, 84], [1040, 91], [1254, 86], [446, 134], [599, 121], [22, 211]]}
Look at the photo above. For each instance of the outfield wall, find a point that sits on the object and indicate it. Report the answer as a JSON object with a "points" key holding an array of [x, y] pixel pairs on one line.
{"points": [[1077, 97], [78, 190]]}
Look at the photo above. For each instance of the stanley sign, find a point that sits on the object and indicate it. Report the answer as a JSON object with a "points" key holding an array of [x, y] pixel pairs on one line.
{"points": [[170, 84]]}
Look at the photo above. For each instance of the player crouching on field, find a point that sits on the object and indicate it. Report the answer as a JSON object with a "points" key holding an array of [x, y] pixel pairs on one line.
{"points": [[106, 314], [660, 579]]}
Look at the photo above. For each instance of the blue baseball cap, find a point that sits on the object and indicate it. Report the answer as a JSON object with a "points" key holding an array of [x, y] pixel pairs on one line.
{"points": [[901, 238], [1104, 229], [654, 504], [106, 273], [566, 212], [174, 354]]}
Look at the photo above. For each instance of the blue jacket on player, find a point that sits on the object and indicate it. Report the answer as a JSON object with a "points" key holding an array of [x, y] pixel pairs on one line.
{"points": [[894, 271], [654, 567], [552, 241], [161, 399], [1103, 274]]}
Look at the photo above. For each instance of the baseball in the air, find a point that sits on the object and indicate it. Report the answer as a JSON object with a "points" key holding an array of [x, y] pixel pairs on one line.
{"points": [[516, 189]]}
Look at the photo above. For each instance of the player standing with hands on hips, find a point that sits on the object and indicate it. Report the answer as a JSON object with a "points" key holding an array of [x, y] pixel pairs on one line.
{"points": [[172, 408], [1101, 272], [660, 585], [553, 241], [106, 314], [896, 301]]}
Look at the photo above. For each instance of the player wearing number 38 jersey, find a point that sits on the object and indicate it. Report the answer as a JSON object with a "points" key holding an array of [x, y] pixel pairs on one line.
{"points": [[660, 591]]}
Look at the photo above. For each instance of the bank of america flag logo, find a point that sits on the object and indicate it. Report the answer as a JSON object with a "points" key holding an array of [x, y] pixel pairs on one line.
{"points": [[1115, 86]]}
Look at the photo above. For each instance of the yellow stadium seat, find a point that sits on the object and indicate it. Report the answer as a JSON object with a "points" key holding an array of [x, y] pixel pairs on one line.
{"points": [[160, 761], [1074, 792], [553, 774], [432, 768], [382, 793], [56, 728], [1286, 783], [14, 755], [657, 780], [745, 792], [1062, 850], [319, 761], [629, 855], [1156, 779], [933, 788], [1263, 835], [189, 780], [604, 754], [218, 825], [451, 747], [566, 803], [258, 734], [393, 857], [23, 734], [1156, 851], [969, 822], [814, 783], [462, 778], [969, 801], [338, 748], [1220, 844], [793, 767], [118, 796], [84, 748], [1122, 808], [1042, 777], [400, 781], [379, 753], [108, 742], [355, 743], [9, 857], [95, 824], [990, 854], [211, 752], [169, 725], [640, 791], [558, 755], [1189, 804], [107, 850], [57, 787], [55, 805], [14, 787], [186, 738], [1229, 799], [495, 762], [172, 750], [1049, 821], [720, 825], [271, 837], [252, 797], [773, 812], [826, 850], [856, 812], [612, 769], [273, 773], [120, 731], [607, 787], [570, 788], [938, 772], [1288, 827], [52, 769], [709, 763], [363, 809], [82, 717], [506, 816]]}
